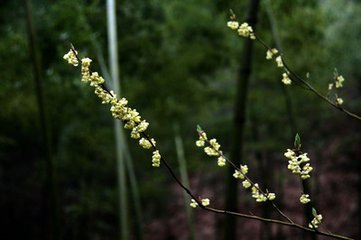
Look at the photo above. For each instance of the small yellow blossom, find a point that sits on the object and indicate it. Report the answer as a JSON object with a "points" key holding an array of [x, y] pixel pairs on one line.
{"points": [[270, 53], [279, 61], [286, 79], [289, 154], [221, 161], [339, 101], [271, 196], [71, 58], [244, 169], [86, 62], [238, 174], [305, 198], [193, 203], [215, 145], [205, 202], [85, 71], [330, 86], [256, 194], [156, 159], [295, 162], [145, 143], [316, 221], [95, 79], [200, 143], [203, 136], [246, 184], [339, 81], [246, 31], [211, 152], [233, 25]]}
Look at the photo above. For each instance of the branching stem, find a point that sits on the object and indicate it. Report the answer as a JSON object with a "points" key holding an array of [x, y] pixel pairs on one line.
{"points": [[290, 223]]}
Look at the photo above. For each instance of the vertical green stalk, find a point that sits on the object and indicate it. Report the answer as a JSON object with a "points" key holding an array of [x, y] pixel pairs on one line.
{"points": [[51, 205], [94, 41], [285, 91], [125, 149], [306, 185], [134, 190], [240, 110], [264, 169], [114, 72], [184, 178]]}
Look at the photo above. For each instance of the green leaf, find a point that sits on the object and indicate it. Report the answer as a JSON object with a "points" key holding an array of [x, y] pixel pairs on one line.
{"points": [[297, 142], [199, 129], [314, 213]]}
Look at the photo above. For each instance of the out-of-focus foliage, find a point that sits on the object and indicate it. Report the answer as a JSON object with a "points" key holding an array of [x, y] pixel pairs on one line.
{"points": [[178, 64]]}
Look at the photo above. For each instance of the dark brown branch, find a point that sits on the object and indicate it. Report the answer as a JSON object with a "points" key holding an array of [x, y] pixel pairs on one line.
{"points": [[219, 211], [295, 77]]}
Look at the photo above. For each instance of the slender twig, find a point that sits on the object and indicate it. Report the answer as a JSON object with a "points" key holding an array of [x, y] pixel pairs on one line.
{"points": [[248, 216], [294, 76], [219, 211], [252, 183]]}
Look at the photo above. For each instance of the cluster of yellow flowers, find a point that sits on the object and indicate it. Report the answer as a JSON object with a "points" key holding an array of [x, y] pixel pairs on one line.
{"points": [[305, 198], [273, 53], [261, 197], [244, 29], [241, 174], [213, 148], [205, 202], [156, 159], [119, 109], [299, 164], [316, 221], [71, 58], [338, 83]]}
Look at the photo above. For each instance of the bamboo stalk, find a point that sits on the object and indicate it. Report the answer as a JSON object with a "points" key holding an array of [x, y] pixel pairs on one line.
{"points": [[184, 178], [134, 189], [240, 110], [50, 189], [114, 72]]}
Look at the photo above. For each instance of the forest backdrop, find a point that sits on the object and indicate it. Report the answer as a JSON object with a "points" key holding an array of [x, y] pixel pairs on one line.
{"points": [[179, 65]]}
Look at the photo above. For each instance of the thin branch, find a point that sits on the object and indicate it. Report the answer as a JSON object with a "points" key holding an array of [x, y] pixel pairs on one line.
{"points": [[215, 210], [219, 211], [294, 76], [252, 183]]}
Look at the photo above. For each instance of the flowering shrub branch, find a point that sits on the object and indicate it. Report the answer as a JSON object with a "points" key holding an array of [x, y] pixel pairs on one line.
{"points": [[133, 121], [240, 172], [289, 76]]}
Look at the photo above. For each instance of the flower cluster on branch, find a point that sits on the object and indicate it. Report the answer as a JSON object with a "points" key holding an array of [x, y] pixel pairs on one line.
{"points": [[119, 107], [298, 161]]}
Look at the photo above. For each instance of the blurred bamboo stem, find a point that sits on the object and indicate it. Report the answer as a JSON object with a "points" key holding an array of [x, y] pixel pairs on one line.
{"points": [[240, 110], [184, 178], [134, 190], [138, 220], [97, 47], [51, 205], [285, 91], [306, 185], [114, 72]]}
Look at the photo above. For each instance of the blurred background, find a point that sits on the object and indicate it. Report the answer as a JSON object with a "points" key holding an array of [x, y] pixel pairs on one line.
{"points": [[179, 66]]}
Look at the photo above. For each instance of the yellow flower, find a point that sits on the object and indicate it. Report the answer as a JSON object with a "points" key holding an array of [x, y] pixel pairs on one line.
{"points": [[233, 25], [205, 202], [71, 58]]}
